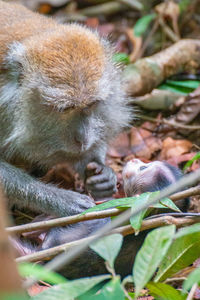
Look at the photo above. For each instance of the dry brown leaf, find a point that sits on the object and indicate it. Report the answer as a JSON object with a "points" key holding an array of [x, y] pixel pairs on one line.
{"points": [[177, 160], [143, 143], [172, 148], [120, 147], [190, 109]]}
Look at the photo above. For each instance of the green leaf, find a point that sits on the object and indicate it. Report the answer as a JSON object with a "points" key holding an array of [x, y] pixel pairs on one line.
{"points": [[193, 278], [136, 221], [151, 254], [132, 295], [40, 273], [164, 291], [110, 291], [121, 58], [144, 198], [70, 289], [191, 84], [184, 250], [164, 203], [168, 203], [175, 89], [120, 203], [108, 247], [190, 162], [189, 230], [142, 24]]}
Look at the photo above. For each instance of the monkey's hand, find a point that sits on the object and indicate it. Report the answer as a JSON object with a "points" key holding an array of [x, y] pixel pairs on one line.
{"points": [[100, 180]]}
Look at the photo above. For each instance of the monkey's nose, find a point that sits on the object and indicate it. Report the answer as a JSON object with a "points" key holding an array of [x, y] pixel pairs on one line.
{"points": [[78, 140], [80, 143]]}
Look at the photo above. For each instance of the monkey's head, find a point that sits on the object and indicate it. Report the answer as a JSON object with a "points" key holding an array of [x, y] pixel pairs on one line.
{"points": [[68, 89], [140, 177]]}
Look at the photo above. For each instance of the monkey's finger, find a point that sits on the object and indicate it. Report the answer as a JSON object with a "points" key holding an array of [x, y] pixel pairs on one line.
{"points": [[102, 186], [97, 179], [93, 168]]}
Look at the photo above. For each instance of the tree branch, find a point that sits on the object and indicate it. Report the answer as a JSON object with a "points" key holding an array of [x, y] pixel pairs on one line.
{"points": [[124, 230]]}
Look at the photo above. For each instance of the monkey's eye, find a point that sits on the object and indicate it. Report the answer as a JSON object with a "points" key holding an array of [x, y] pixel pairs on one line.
{"points": [[89, 108], [66, 110], [142, 168]]}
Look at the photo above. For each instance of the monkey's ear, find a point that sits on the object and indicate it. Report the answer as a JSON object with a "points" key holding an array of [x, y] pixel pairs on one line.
{"points": [[16, 57]]}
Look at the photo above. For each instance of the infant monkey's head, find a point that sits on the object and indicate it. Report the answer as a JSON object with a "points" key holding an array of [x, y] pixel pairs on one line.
{"points": [[140, 177]]}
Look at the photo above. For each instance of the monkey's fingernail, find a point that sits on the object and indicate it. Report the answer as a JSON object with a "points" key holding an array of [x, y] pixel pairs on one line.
{"points": [[92, 166]]}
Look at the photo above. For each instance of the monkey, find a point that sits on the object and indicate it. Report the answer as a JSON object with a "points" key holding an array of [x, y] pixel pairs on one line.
{"points": [[61, 100], [139, 177]]}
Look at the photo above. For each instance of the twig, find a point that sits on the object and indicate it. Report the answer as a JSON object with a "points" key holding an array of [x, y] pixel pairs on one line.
{"points": [[63, 221], [148, 39], [89, 216], [104, 9], [134, 4], [173, 279], [170, 33], [173, 124], [186, 193], [124, 230]]}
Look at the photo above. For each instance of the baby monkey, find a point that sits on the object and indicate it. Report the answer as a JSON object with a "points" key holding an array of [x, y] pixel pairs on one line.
{"points": [[140, 177], [61, 100]]}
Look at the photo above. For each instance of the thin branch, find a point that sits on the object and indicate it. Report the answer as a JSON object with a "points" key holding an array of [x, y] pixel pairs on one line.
{"points": [[186, 193], [63, 221], [170, 33], [124, 230], [134, 4], [109, 8], [173, 124], [89, 216], [149, 38]]}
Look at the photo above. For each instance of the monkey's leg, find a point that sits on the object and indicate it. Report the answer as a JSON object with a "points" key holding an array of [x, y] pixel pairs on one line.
{"points": [[25, 191]]}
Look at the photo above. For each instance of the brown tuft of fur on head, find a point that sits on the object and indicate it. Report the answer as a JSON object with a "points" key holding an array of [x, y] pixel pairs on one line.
{"points": [[72, 59]]}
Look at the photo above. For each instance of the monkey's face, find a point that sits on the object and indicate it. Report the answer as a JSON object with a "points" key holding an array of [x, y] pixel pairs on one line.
{"points": [[69, 99], [140, 177], [58, 135]]}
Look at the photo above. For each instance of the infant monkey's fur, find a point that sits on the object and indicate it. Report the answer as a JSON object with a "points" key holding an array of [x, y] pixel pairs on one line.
{"points": [[61, 100]]}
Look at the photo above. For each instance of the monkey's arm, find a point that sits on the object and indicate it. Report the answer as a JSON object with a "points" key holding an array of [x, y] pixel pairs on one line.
{"points": [[26, 191]]}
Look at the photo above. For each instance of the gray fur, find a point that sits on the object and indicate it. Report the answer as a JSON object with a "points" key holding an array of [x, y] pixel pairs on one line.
{"points": [[31, 130]]}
